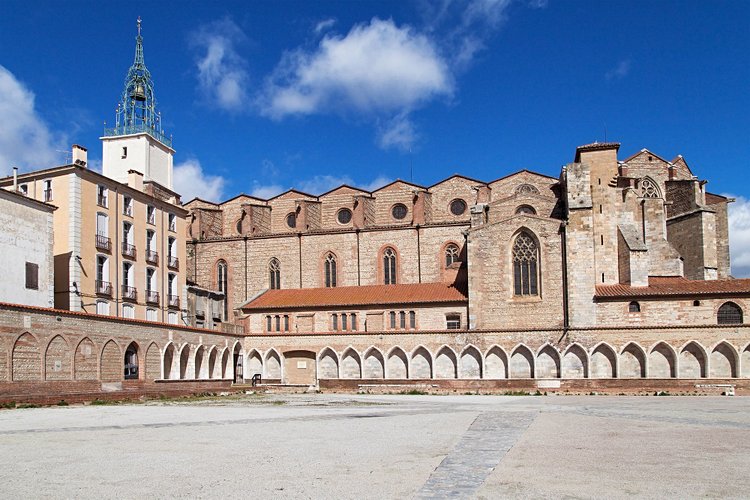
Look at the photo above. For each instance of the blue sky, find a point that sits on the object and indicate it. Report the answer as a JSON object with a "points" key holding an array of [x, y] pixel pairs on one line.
{"points": [[263, 96]]}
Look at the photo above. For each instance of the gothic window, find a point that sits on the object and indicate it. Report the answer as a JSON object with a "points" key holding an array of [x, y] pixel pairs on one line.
{"points": [[451, 255], [344, 216], [330, 270], [222, 280], [291, 220], [525, 265], [458, 207], [399, 211], [527, 189], [526, 209], [389, 266], [634, 307], [649, 189], [729, 314], [274, 272]]}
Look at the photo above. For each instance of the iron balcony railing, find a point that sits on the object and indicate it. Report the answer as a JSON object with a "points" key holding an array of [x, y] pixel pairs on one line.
{"points": [[129, 292], [128, 210], [152, 297], [174, 301], [103, 242], [128, 250], [173, 262], [137, 129], [103, 288], [200, 313], [152, 257]]}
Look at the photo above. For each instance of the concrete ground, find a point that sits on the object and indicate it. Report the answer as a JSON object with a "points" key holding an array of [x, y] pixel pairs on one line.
{"points": [[346, 446]]}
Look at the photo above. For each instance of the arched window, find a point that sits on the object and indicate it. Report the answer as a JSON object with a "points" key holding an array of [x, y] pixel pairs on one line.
{"points": [[649, 188], [634, 307], [274, 274], [389, 266], [330, 270], [527, 189], [222, 280], [525, 265], [729, 314], [451, 255], [526, 209], [131, 362]]}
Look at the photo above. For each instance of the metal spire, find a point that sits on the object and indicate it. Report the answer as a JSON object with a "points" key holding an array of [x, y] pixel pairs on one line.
{"points": [[136, 111]]}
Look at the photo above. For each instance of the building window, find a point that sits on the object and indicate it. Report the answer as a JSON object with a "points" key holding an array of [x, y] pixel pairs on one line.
{"points": [[458, 207], [127, 206], [453, 321], [344, 216], [291, 220], [634, 307], [124, 152], [334, 322], [173, 223], [526, 209], [128, 311], [150, 314], [525, 265], [330, 270], [102, 196], [389, 266], [402, 320], [131, 363], [451, 255], [278, 322], [23, 189], [344, 322], [269, 324], [353, 317], [286, 322], [399, 211], [150, 214], [696, 303], [32, 276], [392, 315], [102, 307], [172, 318], [103, 285], [412, 320], [222, 281], [47, 193], [526, 189], [649, 189], [729, 314], [274, 274]]}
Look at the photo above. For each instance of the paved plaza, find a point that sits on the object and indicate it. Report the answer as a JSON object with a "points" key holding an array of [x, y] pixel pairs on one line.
{"points": [[399, 446]]}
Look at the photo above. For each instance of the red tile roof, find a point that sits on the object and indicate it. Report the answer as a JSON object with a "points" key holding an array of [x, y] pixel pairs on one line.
{"points": [[675, 286], [296, 298]]}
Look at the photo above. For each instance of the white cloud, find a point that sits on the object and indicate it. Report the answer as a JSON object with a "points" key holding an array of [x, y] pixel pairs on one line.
{"points": [[376, 183], [398, 133], [222, 76], [620, 71], [739, 237], [266, 191], [317, 185], [324, 25], [323, 183], [190, 181], [377, 68], [25, 139]]}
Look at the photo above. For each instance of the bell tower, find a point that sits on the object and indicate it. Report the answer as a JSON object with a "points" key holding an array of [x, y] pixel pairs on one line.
{"points": [[137, 141]]}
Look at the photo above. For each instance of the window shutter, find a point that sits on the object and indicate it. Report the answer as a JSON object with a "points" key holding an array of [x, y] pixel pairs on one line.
{"points": [[32, 276]]}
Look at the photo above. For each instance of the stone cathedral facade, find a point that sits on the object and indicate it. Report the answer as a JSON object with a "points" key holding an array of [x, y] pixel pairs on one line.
{"points": [[616, 269]]}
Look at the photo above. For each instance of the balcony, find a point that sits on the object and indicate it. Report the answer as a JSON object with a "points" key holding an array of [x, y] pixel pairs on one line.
{"points": [[152, 257], [128, 250], [47, 195], [101, 200], [103, 288], [173, 262], [103, 243], [152, 297], [200, 313], [174, 301], [129, 293], [128, 210]]}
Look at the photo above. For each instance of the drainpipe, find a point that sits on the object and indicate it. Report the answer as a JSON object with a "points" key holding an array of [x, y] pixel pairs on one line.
{"points": [[466, 258], [245, 268], [419, 257], [359, 278], [117, 251], [299, 235], [566, 313]]}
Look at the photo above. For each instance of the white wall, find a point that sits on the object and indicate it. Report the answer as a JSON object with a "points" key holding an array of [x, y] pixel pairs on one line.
{"points": [[145, 155], [25, 236]]}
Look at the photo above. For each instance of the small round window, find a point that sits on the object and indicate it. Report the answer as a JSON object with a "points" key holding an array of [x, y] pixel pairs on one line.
{"points": [[291, 220], [458, 206], [344, 216], [399, 211]]}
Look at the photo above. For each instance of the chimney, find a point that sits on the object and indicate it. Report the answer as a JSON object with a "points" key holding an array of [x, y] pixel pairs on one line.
{"points": [[80, 155], [15, 179]]}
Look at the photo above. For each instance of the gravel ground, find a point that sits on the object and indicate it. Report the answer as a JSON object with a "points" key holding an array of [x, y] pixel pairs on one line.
{"points": [[345, 446]]}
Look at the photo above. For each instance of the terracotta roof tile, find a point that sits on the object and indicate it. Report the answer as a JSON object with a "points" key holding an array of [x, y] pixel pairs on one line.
{"points": [[297, 298], [675, 286]]}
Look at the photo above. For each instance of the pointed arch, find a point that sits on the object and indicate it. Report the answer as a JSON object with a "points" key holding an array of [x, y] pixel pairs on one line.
{"points": [[547, 362], [374, 364], [254, 364], [420, 363], [525, 261], [184, 361], [723, 360], [745, 361], [330, 270], [26, 362], [132, 361], [272, 365], [389, 260], [85, 362], [111, 365], [152, 365], [662, 361], [200, 363], [521, 362], [212, 364], [632, 361], [170, 362], [575, 362], [496, 363], [225, 366], [603, 361], [328, 364], [470, 364], [351, 364], [446, 363], [649, 188], [274, 274], [397, 364], [57, 362], [693, 360]]}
